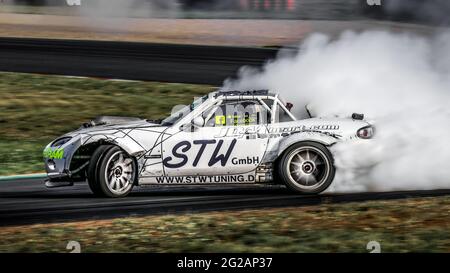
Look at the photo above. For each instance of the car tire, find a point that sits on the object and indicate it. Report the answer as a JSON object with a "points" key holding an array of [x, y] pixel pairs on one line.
{"points": [[92, 171], [117, 173], [307, 167]]}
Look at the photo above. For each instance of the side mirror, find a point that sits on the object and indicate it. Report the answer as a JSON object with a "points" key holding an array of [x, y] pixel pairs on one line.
{"points": [[198, 121]]}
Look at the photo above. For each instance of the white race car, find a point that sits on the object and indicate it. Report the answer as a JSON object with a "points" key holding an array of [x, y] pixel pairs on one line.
{"points": [[233, 137]]}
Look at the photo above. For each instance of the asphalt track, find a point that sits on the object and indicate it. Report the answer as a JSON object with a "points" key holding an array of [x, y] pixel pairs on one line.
{"points": [[129, 60], [29, 201]]}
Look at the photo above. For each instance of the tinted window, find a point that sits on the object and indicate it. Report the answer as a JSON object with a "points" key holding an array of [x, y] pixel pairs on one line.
{"points": [[236, 113]]}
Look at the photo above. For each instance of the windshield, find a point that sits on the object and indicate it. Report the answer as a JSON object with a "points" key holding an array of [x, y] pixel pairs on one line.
{"points": [[176, 116]]}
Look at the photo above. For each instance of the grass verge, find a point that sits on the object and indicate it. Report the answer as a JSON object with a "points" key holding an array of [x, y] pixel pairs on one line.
{"points": [[411, 225], [34, 109]]}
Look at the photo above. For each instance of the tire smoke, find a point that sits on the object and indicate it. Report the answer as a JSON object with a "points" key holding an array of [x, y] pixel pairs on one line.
{"points": [[401, 82]]}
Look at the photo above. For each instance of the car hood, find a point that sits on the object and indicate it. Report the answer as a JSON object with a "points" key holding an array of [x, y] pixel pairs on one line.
{"points": [[105, 123]]}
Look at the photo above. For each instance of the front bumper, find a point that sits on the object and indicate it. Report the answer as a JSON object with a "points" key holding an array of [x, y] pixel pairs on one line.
{"points": [[57, 179], [57, 163], [52, 184]]}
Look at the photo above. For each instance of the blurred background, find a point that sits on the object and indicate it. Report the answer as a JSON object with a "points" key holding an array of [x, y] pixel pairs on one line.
{"points": [[213, 22], [430, 11]]}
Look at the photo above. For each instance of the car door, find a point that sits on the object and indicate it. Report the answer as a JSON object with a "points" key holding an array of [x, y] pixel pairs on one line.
{"points": [[232, 140]]}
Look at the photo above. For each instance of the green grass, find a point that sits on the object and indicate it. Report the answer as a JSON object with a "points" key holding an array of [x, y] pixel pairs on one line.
{"points": [[412, 225], [21, 157], [34, 109]]}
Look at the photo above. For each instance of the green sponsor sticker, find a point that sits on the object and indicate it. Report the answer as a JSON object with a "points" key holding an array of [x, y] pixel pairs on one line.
{"points": [[53, 153]]}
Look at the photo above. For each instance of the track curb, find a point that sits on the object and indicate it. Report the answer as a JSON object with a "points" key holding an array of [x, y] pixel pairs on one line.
{"points": [[22, 177]]}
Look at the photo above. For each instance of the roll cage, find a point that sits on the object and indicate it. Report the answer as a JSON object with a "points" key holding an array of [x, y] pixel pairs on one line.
{"points": [[217, 98]]}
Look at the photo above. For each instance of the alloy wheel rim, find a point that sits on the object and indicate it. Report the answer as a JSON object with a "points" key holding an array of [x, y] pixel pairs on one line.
{"points": [[308, 167], [119, 172]]}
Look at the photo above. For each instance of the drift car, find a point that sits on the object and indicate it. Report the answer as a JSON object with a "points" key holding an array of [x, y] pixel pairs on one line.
{"points": [[233, 137]]}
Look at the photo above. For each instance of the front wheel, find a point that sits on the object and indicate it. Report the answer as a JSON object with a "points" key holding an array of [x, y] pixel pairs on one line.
{"points": [[115, 174], [307, 167]]}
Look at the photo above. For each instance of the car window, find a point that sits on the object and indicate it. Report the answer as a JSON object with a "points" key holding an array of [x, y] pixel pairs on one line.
{"points": [[268, 102], [236, 113], [176, 116], [282, 115]]}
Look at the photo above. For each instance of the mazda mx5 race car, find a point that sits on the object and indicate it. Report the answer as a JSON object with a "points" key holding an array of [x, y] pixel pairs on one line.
{"points": [[225, 137]]}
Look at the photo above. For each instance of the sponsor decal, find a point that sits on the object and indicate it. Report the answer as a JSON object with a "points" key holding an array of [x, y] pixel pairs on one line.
{"points": [[245, 161], [253, 132], [205, 179], [240, 132], [179, 153], [220, 120], [53, 153], [236, 120], [281, 130]]}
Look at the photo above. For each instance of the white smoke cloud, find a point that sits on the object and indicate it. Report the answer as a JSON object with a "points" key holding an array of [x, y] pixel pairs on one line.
{"points": [[401, 82]]}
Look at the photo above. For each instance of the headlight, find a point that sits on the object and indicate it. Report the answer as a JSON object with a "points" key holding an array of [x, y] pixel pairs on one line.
{"points": [[366, 132], [60, 141], [51, 165]]}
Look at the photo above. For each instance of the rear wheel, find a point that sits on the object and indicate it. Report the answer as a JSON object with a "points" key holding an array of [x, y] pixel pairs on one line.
{"points": [[307, 167], [115, 173]]}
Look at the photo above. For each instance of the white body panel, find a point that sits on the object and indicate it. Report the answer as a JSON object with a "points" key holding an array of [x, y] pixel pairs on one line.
{"points": [[181, 153]]}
